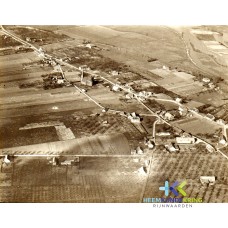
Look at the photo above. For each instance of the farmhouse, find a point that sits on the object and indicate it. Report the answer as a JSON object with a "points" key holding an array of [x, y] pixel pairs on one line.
{"points": [[168, 116], [185, 140], [87, 79], [133, 117], [116, 88], [172, 148], [206, 80]]}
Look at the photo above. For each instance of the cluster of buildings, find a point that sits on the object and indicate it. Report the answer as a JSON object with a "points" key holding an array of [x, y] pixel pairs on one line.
{"points": [[138, 150], [167, 115], [87, 79], [63, 161], [49, 62], [209, 84], [133, 117], [172, 147], [33, 40], [116, 88], [6, 162], [149, 143], [185, 140], [55, 78], [223, 139], [114, 73], [142, 95], [172, 114], [180, 141], [88, 44]]}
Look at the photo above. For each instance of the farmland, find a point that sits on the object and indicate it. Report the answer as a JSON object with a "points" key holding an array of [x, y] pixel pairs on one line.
{"points": [[94, 95], [112, 144], [189, 166], [219, 112], [112, 179], [94, 180], [194, 126], [178, 82]]}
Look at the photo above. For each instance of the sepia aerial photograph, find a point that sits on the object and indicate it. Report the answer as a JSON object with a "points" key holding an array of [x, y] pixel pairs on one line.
{"points": [[114, 114]]}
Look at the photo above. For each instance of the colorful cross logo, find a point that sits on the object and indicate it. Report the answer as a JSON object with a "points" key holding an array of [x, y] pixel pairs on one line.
{"points": [[174, 188]]}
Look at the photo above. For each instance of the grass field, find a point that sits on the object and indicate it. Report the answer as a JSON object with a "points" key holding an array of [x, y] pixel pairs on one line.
{"points": [[137, 42]]}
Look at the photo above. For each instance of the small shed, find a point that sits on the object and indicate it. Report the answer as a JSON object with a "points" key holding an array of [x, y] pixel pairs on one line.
{"points": [[208, 180]]}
